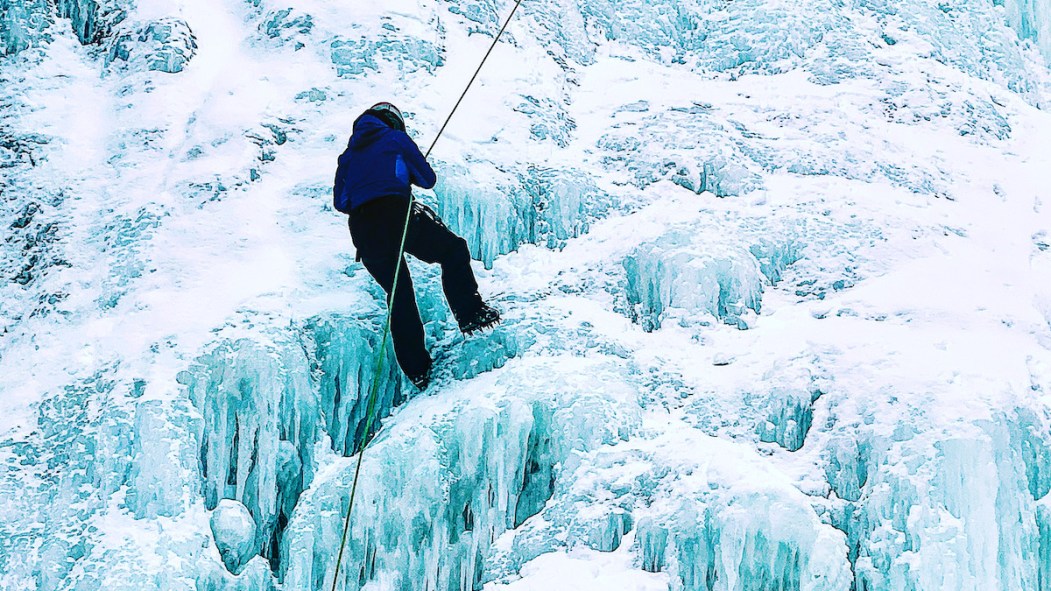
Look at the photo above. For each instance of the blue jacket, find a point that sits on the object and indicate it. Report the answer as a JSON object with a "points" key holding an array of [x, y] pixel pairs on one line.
{"points": [[379, 162]]}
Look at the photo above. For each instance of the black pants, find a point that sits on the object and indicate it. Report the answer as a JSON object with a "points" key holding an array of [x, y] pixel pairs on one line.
{"points": [[376, 230]]}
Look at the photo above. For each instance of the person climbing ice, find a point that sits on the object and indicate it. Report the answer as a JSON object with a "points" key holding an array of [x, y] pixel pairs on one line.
{"points": [[373, 185]]}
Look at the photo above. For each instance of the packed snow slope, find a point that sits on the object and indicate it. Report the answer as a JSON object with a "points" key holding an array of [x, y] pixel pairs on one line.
{"points": [[776, 280]]}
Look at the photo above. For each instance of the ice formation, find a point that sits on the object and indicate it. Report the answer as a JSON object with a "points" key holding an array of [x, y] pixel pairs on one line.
{"points": [[774, 278], [165, 45], [233, 528], [1030, 18]]}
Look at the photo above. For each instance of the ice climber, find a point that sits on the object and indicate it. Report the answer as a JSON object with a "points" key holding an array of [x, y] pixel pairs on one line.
{"points": [[373, 185]]}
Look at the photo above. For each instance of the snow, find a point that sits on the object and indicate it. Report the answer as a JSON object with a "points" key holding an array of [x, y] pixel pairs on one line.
{"points": [[774, 278], [584, 569]]}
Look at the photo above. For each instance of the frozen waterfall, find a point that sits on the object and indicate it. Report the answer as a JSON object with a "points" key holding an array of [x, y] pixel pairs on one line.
{"points": [[774, 277]]}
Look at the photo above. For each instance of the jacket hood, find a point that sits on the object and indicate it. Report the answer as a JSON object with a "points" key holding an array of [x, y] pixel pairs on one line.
{"points": [[367, 130]]}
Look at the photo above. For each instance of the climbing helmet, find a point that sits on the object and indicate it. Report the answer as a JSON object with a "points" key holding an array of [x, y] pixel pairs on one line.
{"points": [[389, 114]]}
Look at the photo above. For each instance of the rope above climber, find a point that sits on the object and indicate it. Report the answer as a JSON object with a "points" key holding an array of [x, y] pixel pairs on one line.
{"points": [[373, 186]]}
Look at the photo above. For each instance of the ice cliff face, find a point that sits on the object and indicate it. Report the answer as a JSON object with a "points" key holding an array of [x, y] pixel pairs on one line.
{"points": [[775, 279]]}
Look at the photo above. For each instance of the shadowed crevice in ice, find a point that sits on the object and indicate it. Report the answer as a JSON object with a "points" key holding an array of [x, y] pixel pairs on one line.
{"points": [[342, 352]]}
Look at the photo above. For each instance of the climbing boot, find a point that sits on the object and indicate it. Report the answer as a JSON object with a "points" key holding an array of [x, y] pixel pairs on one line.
{"points": [[485, 317]]}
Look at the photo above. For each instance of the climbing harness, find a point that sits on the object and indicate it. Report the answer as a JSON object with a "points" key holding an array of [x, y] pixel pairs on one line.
{"points": [[371, 407]]}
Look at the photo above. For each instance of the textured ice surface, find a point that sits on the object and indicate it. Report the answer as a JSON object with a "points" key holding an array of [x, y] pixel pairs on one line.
{"points": [[26, 23], [471, 465], [722, 282], [536, 206], [1032, 20], [773, 277], [22, 24], [165, 45], [715, 267], [699, 517]]}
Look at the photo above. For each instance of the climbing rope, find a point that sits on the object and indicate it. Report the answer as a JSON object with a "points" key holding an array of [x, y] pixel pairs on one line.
{"points": [[371, 407]]}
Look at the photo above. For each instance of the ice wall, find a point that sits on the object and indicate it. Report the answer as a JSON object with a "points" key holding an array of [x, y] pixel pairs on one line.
{"points": [[705, 281], [468, 466], [715, 268], [92, 19], [926, 499], [260, 421], [164, 45], [259, 410], [25, 24], [567, 426], [1032, 20], [754, 37], [496, 211], [22, 24], [1043, 520], [95, 457], [708, 158], [704, 149], [33, 222], [266, 405], [696, 516], [945, 510], [343, 359], [277, 405], [740, 37]]}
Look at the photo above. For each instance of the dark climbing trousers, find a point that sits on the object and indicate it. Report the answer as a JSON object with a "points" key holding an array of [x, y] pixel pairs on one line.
{"points": [[376, 229]]}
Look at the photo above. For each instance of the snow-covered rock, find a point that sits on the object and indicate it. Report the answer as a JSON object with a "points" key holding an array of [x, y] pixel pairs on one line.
{"points": [[235, 534]]}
